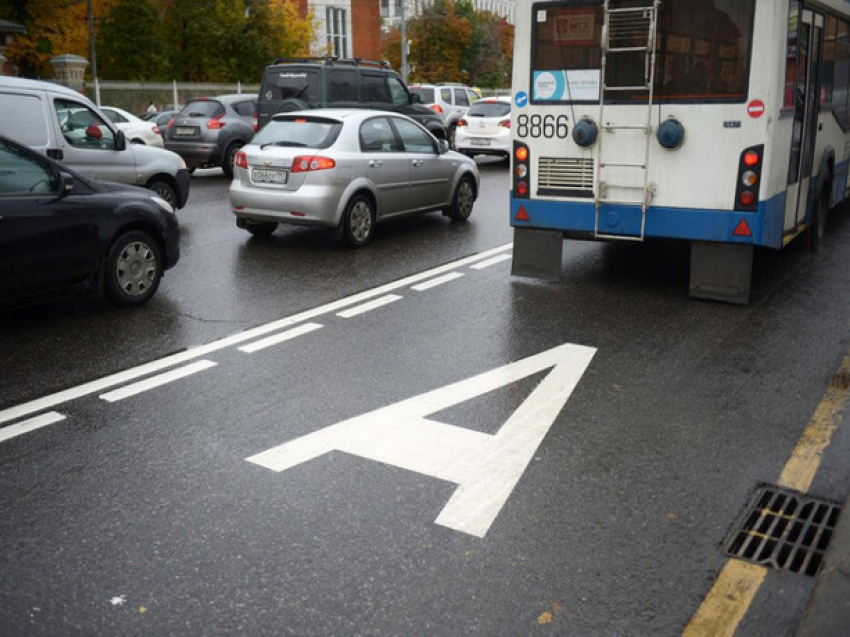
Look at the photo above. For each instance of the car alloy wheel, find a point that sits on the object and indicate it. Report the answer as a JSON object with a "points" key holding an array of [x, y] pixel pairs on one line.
{"points": [[463, 200], [359, 221]]}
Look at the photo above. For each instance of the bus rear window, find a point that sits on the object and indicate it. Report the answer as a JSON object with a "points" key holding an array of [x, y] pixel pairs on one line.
{"points": [[702, 52]]}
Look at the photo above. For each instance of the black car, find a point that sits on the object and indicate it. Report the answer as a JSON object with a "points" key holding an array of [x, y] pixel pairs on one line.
{"points": [[296, 84], [62, 234]]}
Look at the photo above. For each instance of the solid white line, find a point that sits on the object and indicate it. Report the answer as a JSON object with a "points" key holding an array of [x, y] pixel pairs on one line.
{"points": [[156, 381], [486, 264], [20, 428], [92, 387], [295, 332], [451, 276], [371, 305]]}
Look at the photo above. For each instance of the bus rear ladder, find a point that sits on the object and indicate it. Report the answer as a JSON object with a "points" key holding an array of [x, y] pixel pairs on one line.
{"points": [[626, 31]]}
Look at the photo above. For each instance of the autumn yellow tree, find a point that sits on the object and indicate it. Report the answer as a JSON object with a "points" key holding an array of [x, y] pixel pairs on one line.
{"points": [[54, 28]]}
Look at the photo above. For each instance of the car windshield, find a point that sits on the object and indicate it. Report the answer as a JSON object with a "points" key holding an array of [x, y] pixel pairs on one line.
{"points": [[202, 108], [298, 131], [426, 94], [489, 109]]}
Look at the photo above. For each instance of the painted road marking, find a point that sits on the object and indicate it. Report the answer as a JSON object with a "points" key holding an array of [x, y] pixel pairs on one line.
{"points": [[486, 264], [485, 467], [92, 387], [157, 381], [735, 588], [26, 426], [427, 285], [371, 305], [295, 332]]}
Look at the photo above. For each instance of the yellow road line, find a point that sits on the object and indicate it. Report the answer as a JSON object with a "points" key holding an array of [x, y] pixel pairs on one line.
{"points": [[735, 588]]}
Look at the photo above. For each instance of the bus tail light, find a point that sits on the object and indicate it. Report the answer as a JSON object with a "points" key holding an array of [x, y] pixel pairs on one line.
{"points": [[749, 178], [522, 171]]}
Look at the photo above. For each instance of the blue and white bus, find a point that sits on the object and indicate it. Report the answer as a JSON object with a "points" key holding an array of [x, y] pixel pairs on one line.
{"points": [[724, 123]]}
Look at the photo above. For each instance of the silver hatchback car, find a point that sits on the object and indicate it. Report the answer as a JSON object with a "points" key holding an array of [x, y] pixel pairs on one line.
{"points": [[347, 170]]}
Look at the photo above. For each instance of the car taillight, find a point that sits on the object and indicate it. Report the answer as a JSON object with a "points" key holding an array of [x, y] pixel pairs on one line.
{"points": [[505, 123], [436, 108], [241, 159], [156, 130], [462, 122], [309, 163], [215, 123], [749, 178], [171, 121], [522, 170], [256, 123]]}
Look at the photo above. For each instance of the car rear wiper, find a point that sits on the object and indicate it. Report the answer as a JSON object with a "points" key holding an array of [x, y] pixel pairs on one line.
{"points": [[297, 144]]}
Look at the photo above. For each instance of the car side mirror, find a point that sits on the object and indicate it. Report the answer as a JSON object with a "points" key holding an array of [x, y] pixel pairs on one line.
{"points": [[444, 146], [415, 98], [66, 184], [120, 140]]}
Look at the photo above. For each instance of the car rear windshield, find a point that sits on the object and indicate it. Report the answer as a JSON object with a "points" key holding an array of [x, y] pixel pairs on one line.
{"points": [[426, 94], [202, 108], [286, 130], [488, 109], [282, 84], [702, 52]]}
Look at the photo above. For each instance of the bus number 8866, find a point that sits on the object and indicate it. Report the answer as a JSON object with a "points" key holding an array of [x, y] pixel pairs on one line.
{"points": [[542, 126]]}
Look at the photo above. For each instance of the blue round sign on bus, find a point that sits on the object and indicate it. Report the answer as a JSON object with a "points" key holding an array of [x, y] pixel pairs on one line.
{"points": [[521, 99]]}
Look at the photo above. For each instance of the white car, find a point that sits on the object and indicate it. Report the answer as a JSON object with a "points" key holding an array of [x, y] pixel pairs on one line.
{"points": [[486, 128], [137, 130]]}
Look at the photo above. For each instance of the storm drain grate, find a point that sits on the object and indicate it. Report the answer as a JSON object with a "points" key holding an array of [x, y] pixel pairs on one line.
{"points": [[783, 529]]}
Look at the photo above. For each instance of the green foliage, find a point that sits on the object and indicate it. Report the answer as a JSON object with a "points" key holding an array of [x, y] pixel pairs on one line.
{"points": [[126, 52]]}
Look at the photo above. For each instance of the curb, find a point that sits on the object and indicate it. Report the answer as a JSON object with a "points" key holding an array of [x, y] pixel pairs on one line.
{"points": [[828, 610]]}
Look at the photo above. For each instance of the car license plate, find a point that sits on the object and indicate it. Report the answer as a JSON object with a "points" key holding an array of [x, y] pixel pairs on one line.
{"points": [[479, 142], [185, 130], [265, 176]]}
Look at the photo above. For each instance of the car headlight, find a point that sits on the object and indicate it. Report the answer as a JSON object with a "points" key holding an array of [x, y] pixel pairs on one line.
{"points": [[162, 203]]}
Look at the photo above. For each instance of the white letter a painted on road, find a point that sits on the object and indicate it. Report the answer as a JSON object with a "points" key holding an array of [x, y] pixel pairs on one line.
{"points": [[485, 467]]}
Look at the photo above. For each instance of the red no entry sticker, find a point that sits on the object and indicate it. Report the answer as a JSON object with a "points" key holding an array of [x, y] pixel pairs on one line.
{"points": [[755, 109]]}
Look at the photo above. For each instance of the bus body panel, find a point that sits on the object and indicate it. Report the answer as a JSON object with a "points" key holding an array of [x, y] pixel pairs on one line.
{"points": [[693, 188]]}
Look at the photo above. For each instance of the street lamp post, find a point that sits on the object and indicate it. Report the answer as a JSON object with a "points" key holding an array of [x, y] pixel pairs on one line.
{"points": [[404, 69], [92, 56]]}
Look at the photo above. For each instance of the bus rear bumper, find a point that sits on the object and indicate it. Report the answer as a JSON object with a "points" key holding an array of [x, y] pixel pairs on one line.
{"points": [[578, 219]]}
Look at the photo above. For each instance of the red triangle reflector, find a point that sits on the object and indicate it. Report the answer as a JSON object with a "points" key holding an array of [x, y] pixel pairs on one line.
{"points": [[522, 215], [743, 230]]}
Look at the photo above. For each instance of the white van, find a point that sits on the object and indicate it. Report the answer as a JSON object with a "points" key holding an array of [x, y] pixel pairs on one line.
{"points": [[64, 125]]}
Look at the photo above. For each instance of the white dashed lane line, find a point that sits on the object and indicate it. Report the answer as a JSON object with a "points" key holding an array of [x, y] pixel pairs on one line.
{"points": [[427, 285], [157, 381], [288, 335], [486, 264], [371, 305], [29, 425]]}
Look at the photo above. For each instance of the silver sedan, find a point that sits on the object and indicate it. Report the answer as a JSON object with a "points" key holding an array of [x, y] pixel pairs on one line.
{"points": [[347, 170]]}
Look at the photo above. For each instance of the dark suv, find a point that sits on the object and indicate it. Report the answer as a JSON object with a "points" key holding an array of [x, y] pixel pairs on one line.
{"points": [[294, 84], [209, 131]]}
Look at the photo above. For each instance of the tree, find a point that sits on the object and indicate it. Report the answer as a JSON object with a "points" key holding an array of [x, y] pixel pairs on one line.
{"points": [[54, 28], [126, 52], [452, 42]]}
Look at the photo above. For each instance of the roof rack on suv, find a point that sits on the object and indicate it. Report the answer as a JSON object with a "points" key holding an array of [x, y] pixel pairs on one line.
{"points": [[331, 60], [450, 84]]}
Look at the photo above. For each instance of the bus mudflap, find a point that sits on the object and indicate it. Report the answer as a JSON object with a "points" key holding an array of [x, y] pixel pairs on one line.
{"points": [[721, 272], [537, 254]]}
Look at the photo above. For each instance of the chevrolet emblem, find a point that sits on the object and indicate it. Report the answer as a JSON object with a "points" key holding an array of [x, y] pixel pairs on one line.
{"points": [[267, 163]]}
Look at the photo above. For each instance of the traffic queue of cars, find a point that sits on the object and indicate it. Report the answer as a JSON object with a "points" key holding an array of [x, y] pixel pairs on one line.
{"points": [[89, 196]]}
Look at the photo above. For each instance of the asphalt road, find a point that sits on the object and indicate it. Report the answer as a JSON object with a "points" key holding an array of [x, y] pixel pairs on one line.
{"points": [[175, 510]]}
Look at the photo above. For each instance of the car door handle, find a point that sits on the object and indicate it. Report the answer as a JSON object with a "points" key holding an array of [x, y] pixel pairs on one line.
{"points": [[417, 162], [375, 163]]}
